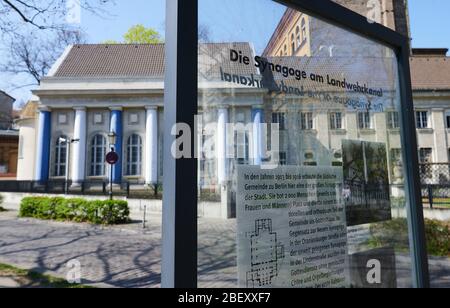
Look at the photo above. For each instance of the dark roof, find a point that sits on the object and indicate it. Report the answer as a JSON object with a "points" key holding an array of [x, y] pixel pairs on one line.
{"points": [[7, 95], [430, 73], [143, 60], [9, 133], [428, 52], [428, 70], [121, 60]]}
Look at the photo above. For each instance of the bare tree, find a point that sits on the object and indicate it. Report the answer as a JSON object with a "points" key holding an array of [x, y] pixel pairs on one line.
{"points": [[33, 55], [42, 14], [204, 34], [35, 33]]}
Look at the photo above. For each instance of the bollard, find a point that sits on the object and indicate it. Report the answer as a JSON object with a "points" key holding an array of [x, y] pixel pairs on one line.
{"points": [[430, 196], [145, 216]]}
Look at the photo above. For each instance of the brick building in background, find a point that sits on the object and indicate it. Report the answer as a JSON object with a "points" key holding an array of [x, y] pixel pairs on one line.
{"points": [[300, 35], [9, 138]]}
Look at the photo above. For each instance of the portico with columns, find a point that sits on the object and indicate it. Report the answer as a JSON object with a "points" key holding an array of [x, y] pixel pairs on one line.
{"points": [[138, 138], [85, 107]]}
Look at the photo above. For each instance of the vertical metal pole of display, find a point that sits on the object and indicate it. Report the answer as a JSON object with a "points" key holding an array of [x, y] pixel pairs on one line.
{"points": [[416, 221], [179, 231], [345, 18]]}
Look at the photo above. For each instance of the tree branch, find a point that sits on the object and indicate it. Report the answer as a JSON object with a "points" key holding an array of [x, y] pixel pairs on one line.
{"points": [[22, 15]]}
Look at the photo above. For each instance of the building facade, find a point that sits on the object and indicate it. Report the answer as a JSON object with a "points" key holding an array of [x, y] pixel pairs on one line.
{"points": [[6, 111], [431, 90], [8, 138], [94, 90], [298, 34], [88, 94]]}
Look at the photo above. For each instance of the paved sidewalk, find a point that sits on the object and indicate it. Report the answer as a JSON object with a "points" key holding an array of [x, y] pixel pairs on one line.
{"points": [[126, 256], [122, 256]]}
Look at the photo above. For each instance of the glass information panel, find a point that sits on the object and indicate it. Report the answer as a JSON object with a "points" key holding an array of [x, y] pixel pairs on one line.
{"points": [[300, 153]]}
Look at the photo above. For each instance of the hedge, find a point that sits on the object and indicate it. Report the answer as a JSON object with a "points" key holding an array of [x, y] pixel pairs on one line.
{"points": [[77, 210], [1, 202], [395, 233]]}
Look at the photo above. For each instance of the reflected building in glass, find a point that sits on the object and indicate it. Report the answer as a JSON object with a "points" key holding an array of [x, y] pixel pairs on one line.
{"points": [[94, 89]]}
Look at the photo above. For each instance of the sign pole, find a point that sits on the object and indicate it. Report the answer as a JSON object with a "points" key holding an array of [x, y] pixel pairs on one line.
{"points": [[179, 229], [111, 168], [66, 188], [111, 158]]}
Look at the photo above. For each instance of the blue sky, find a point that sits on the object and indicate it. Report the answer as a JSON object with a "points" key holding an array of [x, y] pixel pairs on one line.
{"points": [[430, 25]]}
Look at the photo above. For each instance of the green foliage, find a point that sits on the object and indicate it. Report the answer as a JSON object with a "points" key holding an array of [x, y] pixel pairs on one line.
{"points": [[77, 210], [111, 42], [398, 203], [209, 196], [1, 202], [139, 34], [37, 280], [438, 238], [395, 233]]}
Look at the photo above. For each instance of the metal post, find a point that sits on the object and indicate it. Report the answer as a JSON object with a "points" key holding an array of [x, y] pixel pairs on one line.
{"points": [[111, 170], [66, 188], [430, 196], [145, 216], [416, 221], [179, 262]]}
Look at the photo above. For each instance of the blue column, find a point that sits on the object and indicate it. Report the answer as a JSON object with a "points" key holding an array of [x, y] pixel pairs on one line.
{"points": [[43, 146], [257, 142], [117, 128]]}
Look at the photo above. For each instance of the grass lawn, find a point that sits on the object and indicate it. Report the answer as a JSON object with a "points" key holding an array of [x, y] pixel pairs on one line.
{"points": [[439, 202], [30, 279]]}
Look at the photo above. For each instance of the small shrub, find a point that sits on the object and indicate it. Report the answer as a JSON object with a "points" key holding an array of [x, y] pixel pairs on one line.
{"points": [[438, 238], [1, 202], [77, 210], [394, 233]]}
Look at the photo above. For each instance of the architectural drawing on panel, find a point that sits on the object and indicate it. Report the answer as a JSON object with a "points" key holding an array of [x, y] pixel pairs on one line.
{"points": [[266, 255]]}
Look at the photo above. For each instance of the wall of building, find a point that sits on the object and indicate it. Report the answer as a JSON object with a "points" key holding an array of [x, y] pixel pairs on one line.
{"points": [[394, 12], [27, 150], [436, 135], [6, 109]]}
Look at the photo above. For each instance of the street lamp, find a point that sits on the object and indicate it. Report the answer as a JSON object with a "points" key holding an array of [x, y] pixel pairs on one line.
{"points": [[68, 142], [112, 136]]}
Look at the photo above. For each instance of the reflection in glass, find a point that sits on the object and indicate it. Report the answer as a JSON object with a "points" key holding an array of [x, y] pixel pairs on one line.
{"points": [[316, 103]]}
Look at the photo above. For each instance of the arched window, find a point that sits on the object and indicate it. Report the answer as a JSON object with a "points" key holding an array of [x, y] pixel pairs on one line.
{"points": [[241, 147], [134, 155], [61, 156], [98, 155], [292, 44], [303, 30], [297, 34]]}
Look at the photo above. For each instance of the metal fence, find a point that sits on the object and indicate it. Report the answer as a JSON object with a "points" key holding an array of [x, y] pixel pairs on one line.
{"points": [[357, 193], [435, 179], [132, 190]]}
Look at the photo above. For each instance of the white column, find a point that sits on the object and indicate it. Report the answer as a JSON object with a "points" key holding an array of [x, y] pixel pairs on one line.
{"points": [[79, 146], [43, 145], [151, 146], [440, 135], [257, 142], [221, 146]]}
